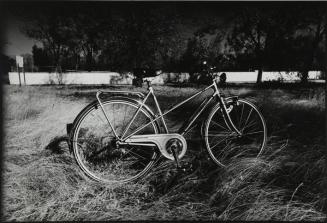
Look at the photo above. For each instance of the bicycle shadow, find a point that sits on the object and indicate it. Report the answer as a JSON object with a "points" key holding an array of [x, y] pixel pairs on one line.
{"points": [[58, 145]]}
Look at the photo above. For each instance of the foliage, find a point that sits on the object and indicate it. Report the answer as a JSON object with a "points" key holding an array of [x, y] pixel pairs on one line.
{"points": [[259, 31], [91, 29], [143, 37], [310, 51], [108, 37], [52, 29], [41, 58], [7, 63], [279, 37]]}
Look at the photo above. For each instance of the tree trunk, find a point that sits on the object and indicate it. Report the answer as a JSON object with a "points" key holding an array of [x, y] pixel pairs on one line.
{"points": [[259, 77], [311, 56], [260, 63], [304, 76], [89, 58]]}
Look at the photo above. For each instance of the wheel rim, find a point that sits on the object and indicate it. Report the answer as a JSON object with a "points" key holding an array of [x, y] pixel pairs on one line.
{"points": [[224, 145], [95, 148]]}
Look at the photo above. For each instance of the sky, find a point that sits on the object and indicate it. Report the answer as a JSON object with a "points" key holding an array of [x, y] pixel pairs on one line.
{"points": [[16, 42]]}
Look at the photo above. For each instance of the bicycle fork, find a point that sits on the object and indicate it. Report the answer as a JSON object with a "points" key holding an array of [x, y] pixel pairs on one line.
{"points": [[227, 117], [223, 108]]}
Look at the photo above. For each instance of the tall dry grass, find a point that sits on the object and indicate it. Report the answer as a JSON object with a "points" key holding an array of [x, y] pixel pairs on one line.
{"points": [[284, 184]]}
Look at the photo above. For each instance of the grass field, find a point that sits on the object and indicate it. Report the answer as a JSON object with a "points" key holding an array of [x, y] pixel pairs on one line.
{"points": [[42, 181]]}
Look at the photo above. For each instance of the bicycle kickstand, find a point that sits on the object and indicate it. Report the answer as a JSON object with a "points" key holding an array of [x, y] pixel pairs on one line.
{"points": [[178, 166], [173, 150]]}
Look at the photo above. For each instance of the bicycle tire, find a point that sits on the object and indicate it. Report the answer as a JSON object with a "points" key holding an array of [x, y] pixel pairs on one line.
{"points": [[86, 129], [230, 145]]}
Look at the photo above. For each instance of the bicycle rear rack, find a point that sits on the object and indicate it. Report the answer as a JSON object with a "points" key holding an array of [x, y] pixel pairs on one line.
{"points": [[117, 93]]}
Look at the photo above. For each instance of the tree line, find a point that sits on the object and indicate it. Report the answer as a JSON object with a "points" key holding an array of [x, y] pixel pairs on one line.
{"points": [[254, 37]]}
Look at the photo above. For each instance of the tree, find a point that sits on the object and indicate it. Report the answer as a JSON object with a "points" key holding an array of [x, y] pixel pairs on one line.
{"points": [[259, 31], [6, 65], [280, 37], [92, 28], [71, 36], [28, 62], [196, 52], [52, 29], [42, 61], [312, 33], [142, 36]]}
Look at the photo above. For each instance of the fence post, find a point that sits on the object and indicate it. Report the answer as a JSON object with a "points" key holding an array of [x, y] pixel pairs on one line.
{"points": [[24, 76], [20, 84]]}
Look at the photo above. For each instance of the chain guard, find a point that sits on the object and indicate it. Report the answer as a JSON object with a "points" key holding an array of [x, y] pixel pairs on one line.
{"points": [[160, 140]]}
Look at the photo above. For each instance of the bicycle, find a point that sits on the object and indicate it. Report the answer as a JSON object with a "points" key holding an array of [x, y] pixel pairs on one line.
{"points": [[119, 139]]}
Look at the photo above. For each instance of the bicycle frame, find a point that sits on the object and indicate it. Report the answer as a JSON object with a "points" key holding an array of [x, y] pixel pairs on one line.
{"points": [[186, 125]]}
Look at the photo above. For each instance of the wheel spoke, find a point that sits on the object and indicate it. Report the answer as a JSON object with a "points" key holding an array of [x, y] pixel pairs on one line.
{"points": [[219, 125], [217, 134], [135, 154], [89, 142], [248, 117], [235, 112], [113, 115], [124, 123], [249, 125], [251, 133], [221, 141], [98, 152], [241, 117], [98, 116]]}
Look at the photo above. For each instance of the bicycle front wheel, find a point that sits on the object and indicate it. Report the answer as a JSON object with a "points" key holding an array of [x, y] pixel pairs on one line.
{"points": [[94, 142], [223, 144]]}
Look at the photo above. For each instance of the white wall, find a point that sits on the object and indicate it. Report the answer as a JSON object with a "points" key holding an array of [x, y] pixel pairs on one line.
{"points": [[112, 78], [251, 77], [39, 78]]}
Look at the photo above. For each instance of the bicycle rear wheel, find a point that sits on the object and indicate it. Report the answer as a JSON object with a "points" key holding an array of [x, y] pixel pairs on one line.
{"points": [[223, 144], [94, 142]]}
